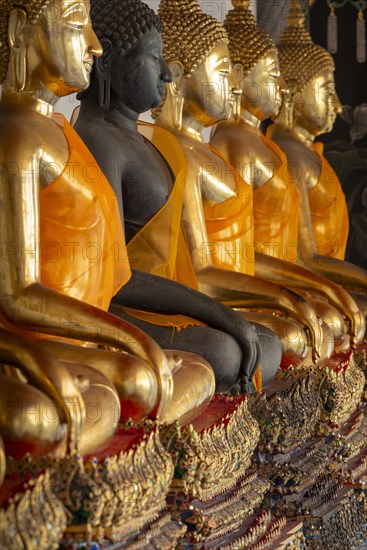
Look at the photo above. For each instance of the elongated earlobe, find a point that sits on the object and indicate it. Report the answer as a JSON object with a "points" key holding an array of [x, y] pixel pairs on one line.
{"points": [[176, 98], [103, 66], [17, 22]]}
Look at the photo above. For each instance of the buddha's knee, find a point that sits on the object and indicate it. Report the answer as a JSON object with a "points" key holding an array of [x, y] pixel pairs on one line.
{"points": [[136, 385], [293, 339], [134, 380], [271, 352], [332, 317], [29, 419], [193, 387], [361, 301], [225, 357], [327, 347], [292, 336]]}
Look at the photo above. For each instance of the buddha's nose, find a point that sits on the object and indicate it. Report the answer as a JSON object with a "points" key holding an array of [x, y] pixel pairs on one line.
{"points": [[94, 45], [282, 85], [166, 74], [337, 105]]}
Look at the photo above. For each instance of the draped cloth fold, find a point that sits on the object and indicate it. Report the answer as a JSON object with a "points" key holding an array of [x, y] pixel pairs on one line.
{"points": [[230, 227], [160, 246], [329, 211], [276, 211]]}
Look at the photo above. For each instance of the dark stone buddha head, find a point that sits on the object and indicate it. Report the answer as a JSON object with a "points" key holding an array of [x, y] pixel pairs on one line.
{"points": [[132, 72]]}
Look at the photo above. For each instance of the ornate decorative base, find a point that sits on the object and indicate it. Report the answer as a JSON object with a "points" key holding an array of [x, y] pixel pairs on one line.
{"points": [[311, 437], [214, 452], [109, 496], [299, 399], [163, 533], [34, 517], [289, 415], [212, 491], [313, 450], [207, 521], [337, 527], [318, 480]]}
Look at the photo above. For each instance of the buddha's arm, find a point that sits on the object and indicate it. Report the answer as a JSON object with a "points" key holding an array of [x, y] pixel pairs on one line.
{"points": [[343, 273], [159, 295], [232, 144], [295, 276], [24, 301], [46, 373], [238, 289]]}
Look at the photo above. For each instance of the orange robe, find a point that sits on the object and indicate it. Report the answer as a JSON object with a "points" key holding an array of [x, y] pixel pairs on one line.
{"points": [[83, 251], [329, 211], [276, 211], [229, 224], [230, 228], [160, 246]]}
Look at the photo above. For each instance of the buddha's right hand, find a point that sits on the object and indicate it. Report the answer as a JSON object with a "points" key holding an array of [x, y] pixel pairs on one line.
{"points": [[345, 303], [47, 373], [251, 350], [298, 308], [65, 391], [73, 407], [60, 384]]}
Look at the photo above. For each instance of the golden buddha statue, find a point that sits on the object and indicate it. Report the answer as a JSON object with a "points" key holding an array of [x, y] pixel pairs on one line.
{"points": [[217, 204], [310, 110], [62, 242], [263, 165]]}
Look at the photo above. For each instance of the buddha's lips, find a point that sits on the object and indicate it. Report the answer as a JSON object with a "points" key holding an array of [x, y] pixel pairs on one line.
{"points": [[88, 64]]}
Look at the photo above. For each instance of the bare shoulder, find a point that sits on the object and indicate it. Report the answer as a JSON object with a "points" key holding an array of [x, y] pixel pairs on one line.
{"points": [[108, 144], [234, 143], [303, 164], [27, 136], [295, 151]]}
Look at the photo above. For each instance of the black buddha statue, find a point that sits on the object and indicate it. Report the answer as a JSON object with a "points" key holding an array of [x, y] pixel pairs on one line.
{"points": [[128, 80]]}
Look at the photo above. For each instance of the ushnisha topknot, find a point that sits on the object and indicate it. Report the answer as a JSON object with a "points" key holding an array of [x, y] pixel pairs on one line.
{"points": [[33, 9], [248, 43], [123, 22], [188, 33], [300, 59]]}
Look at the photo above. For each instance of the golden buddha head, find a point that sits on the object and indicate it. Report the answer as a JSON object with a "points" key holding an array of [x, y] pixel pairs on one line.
{"points": [[309, 73], [47, 44], [132, 71], [195, 48], [255, 62]]}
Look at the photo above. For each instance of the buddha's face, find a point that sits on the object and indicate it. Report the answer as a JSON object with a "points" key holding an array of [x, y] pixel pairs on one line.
{"points": [[139, 78], [206, 92], [61, 46], [317, 106], [261, 87]]}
